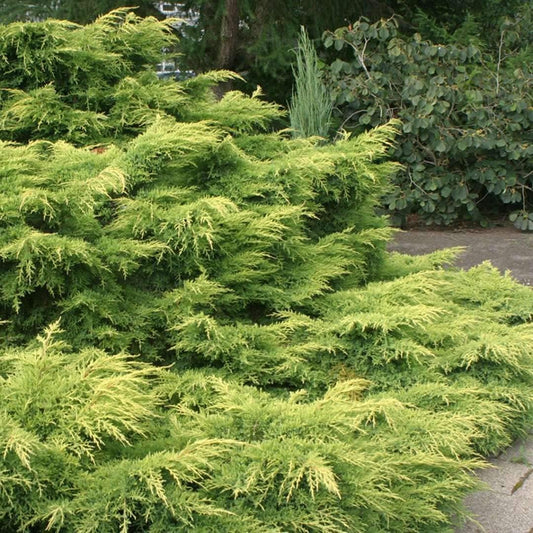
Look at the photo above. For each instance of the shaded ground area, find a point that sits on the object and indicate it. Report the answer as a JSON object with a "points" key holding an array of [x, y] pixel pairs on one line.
{"points": [[507, 504]]}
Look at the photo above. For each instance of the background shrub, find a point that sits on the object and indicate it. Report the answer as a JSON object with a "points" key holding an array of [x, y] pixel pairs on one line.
{"points": [[466, 116]]}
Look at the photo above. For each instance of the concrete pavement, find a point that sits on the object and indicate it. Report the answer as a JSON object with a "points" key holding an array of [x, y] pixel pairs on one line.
{"points": [[507, 505], [505, 247]]}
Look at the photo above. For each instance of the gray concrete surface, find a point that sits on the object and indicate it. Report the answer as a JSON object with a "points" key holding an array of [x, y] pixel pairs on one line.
{"points": [[507, 504], [506, 247]]}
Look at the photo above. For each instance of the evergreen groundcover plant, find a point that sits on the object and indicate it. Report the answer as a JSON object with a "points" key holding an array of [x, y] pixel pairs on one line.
{"points": [[201, 330]]}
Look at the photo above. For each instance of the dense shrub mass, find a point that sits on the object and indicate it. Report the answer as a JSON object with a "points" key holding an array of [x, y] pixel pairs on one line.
{"points": [[82, 84], [466, 143], [201, 330]]}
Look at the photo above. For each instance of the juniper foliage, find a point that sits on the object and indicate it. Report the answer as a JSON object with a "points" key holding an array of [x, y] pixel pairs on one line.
{"points": [[201, 330]]}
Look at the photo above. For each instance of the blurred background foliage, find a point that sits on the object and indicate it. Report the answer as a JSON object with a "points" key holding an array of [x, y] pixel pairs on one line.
{"points": [[258, 37]]}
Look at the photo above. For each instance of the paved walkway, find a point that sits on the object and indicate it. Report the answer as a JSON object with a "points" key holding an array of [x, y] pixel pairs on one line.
{"points": [[506, 248], [507, 504]]}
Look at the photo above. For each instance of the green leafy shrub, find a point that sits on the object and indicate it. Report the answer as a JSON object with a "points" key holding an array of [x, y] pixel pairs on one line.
{"points": [[466, 117], [238, 352]]}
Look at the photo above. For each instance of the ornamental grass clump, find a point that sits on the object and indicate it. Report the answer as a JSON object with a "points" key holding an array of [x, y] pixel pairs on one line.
{"points": [[201, 330], [311, 103]]}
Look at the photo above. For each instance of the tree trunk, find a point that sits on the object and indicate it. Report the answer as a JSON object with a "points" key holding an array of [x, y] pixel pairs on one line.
{"points": [[229, 35]]}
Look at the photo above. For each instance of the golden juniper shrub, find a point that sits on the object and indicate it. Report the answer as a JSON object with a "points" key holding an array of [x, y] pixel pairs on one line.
{"points": [[237, 351]]}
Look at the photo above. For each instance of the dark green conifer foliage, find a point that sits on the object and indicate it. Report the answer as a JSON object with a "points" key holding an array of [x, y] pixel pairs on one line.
{"points": [[314, 383]]}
